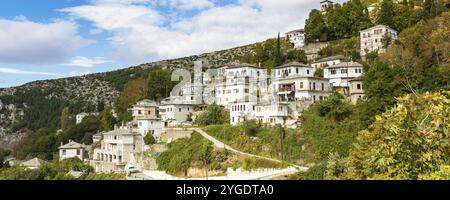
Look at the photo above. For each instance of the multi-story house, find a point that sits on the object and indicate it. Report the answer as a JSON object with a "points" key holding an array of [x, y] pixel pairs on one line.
{"points": [[273, 113], [241, 111], [73, 150], [239, 82], [297, 38], [147, 118], [372, 38], [340, 75], [356, 89], [328, 61], [117, 149], [296, 82], [175, 114]]}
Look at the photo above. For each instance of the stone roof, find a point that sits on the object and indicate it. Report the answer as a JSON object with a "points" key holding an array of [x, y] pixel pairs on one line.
{"points": [[72, 145], [296, 30], [378, 26], [360, 78], [345, 64], [330, 58], [291, 64], [35, 162], [146, 103], [121, 131], [241, 65]]}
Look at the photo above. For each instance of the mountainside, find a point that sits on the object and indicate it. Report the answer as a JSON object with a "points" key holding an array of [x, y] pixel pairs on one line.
{"points": [[90, 90]]}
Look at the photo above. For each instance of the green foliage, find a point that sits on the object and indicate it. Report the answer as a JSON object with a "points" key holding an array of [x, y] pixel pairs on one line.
{"points": [[386, 13], [318, 73], [267, 141], [442, 174], [316, 28], [107, 119], [214, 114], [347, 47], [47, 171], [407, 141], [251, 127], [133, 92], [185, 153], [106, 176], [160, 84], [295, 55], [3, 155], [65, 118], [149, 139], [258, 163], [316, 172]]}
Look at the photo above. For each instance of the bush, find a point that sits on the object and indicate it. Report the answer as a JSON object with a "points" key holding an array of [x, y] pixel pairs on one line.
{"points": [[149, 139]]}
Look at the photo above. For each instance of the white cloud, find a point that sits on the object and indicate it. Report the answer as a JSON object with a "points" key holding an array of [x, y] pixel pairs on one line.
{"points": [[27, 42], [141, 32], [23, 72], [81, 61]]}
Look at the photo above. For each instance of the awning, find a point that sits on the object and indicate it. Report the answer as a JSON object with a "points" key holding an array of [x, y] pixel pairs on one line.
{"points": [[286, 92]]}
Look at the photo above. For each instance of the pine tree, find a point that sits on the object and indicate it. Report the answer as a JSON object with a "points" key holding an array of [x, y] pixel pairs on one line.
{"points": [[278, 59], [386, 13], [65, 118], [107, 120]]}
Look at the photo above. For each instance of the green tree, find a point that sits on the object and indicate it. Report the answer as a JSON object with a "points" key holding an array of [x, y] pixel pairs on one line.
{"points": [[278, 55], [386, 13], [405, 142], [65, 118], [149, 139], [214, 114], [297, 56], [315, 27], [160, 84], [107, 119]]}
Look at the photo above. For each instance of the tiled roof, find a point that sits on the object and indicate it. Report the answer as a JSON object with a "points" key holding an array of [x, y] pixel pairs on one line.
{"points": [[345, 64], [71, 145], [146, 103], [291, 64], [337, 57]]}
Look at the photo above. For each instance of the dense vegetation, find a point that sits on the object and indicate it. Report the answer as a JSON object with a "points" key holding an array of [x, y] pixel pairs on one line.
{"points": [[276, 142], [214, 114], [55, 171], [346, 20], [382, 127], [197, 152]]}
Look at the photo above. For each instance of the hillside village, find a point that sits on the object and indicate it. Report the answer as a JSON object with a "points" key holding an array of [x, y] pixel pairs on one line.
{"points": [[270, 98], [245, 90]]}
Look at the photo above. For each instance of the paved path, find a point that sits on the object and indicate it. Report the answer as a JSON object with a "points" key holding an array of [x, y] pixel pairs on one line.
{"points": [[222, 145]]}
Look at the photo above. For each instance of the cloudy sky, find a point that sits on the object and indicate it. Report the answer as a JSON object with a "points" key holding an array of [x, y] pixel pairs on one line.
{"points": [[47, 39]]}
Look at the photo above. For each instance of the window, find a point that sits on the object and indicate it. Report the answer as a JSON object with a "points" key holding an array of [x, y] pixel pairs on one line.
{"points": [[149, 112], [78, 152], [323, 86], [188, 109], [314, 86], [358, 86], [179, 109], [307, 71], [301, 85], [333, 71], [344, 71], [247, 91], [296, 70], [64, 152], [139, 112], [289, 71]]}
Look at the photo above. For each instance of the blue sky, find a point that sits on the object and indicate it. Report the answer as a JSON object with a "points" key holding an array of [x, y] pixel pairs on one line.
{"points": [[48, 39]]}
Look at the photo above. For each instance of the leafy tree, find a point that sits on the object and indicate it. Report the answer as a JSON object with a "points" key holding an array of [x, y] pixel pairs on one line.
{"points": [[160, 84], [278, 56], [133, 92], [407, 141], [315, 27], [149, 139], [297, 56], [318, 72], [251, 127], [214, 114]]}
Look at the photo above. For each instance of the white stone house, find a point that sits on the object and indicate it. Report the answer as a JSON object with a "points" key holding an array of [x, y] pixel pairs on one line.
{"points": [[117, 149], [175, 114], [273, 113], [356, 89], [72, 150], [241, 111], [79, 117], [146, 117], [297, 38], [241, 82], [300, 88], [324, 5], [328, 61], [340, 74], [371, 39]]}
